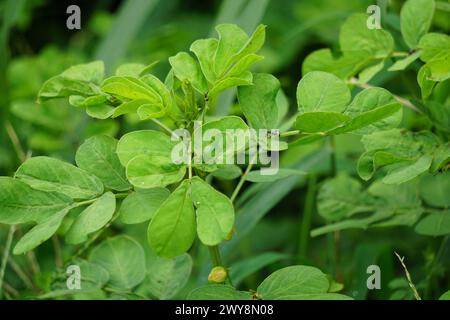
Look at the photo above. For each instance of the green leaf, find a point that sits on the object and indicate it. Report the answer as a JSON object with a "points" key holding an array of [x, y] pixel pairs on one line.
{"points": [[227, 172], [341, 197], [186, 68], [425, 82], [243, 65], [50, 114], [439, 67], [373, 109], [441, 157], [144, 142], [129, 88], [166, 277], [129, 107], [406, 173], [205, 50], [97, 155], [321, 91], [258, 101], [394, 146], [139, 206], [228, 128], [246, 267], [101, 111], [445, 296], [368, 73], [434, 224], [343, 67], [165, 98], [244, 79], [151, 171], [40, 233], [415, 20], [80, 79], [84, 102], [297, 283], [433, 44], [355, 37], [93, 218], [231, 40], [402, 64], [92, 278], [256, 176], [123, 258], [49, 174], [131, 70], [434, 189], [215, 212], [320, 121], [218, 292], [172, 229], [19, 203]]}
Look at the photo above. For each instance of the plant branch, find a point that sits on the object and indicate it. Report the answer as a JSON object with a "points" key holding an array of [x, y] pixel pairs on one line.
{"points": [[242, 179], [15, 141], [408, 277], [403, 101], [162, 125]]}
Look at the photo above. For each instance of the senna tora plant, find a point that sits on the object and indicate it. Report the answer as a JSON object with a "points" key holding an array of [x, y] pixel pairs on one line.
{"points": [[141, 178]]}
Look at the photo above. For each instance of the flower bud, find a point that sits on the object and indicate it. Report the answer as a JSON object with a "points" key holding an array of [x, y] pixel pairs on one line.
{"points": [[218, 275]]}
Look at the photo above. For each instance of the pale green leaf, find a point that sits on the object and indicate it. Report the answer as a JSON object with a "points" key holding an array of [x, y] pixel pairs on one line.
{"points": [[322, 91], [415, 20], [166, 277], [93, 218], [171, 231], [123, 258], [258, 101], [20, 203], [215, 212], [186, 68], [151, 171], [434, 224], [49, 174], [97, 155], [144, 142], [140, 205], [319, 121], [218, 292], [40, 233]]}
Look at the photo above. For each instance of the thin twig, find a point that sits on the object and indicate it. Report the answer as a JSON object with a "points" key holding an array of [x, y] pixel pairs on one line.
{"points": [[242, 180], [7, 249], [15, 141], [408, 277], [58, 251], [402, 101], [162, 125]]}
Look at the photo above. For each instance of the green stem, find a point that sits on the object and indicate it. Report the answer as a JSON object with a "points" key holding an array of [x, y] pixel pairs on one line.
{"points": [[242, 179], [408, 277], [305, 225], [162, 125], [15, 141], [5, 258], [215, 256], [289, 133]]}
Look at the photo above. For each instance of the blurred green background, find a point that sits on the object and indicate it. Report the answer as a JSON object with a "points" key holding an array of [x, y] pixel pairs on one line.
{"points": [[35, 45]]}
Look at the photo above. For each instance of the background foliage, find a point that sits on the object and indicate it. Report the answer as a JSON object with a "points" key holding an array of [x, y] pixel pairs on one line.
{"points": [[347, 213]]}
